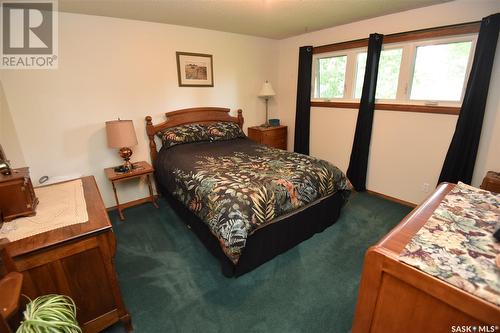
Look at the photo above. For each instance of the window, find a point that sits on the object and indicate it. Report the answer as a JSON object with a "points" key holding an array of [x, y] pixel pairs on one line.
{"points": [[439, 72], [331, 77], [388, 73], [417, 72]]}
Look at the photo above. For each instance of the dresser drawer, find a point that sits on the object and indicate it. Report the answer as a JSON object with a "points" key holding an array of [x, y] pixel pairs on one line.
{"points": [[255, 135], [275, 137], [277, 142], [273, 134]]}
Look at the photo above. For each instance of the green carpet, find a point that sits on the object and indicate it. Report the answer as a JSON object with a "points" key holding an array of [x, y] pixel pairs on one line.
{"points": [[171, 283]]}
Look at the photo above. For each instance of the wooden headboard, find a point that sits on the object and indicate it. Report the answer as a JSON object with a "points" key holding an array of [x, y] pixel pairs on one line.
{"points": [[188, 116]]}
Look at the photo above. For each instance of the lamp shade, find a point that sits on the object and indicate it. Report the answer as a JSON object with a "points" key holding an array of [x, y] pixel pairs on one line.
{"points": [[267, 90], [120, 133]]}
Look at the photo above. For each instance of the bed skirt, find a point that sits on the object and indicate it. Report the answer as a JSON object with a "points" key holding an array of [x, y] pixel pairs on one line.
{"points": [[269, 241]]}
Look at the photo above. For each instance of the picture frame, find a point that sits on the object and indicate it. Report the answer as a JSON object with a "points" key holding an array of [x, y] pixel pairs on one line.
{"points": [[195, 69]]}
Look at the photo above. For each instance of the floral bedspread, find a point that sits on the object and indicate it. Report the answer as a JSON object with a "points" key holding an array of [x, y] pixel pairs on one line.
{"points": [[457, 245], [238, 186]]}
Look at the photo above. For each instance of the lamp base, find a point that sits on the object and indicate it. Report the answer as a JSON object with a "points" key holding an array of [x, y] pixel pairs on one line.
{"points": [[265, 125], [125, 153]]}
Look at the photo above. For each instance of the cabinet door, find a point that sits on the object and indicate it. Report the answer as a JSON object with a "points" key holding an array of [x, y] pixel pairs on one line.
{"points": [[83, 270]]}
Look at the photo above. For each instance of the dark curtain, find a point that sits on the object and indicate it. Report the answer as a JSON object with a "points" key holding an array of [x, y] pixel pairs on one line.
{"points": [[461, 156], [358, 163], [303, 108]]}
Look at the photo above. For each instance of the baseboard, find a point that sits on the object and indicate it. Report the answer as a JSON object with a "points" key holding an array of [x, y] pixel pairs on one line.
{"points": [[387, 197], [131, 203]]}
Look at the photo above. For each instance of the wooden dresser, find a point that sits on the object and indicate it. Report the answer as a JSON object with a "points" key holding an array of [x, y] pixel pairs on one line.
{"points": [[274, 136], [76, 261], [397, 297]]}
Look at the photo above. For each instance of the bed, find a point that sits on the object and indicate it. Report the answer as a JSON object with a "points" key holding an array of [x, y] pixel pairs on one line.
{"points": [[246, 202], [421, 276]]}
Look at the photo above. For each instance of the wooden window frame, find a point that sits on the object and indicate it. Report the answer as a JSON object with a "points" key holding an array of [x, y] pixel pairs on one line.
{"points": [[416, 35], [438, 109]]}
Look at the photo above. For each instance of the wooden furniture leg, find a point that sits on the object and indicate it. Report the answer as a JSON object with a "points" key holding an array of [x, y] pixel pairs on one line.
{"points": [[4, 327], [108, 248], [120, 213], [127, 323], [151, 195]]}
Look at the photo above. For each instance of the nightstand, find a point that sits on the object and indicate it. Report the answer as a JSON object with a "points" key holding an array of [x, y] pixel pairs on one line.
{"points": [[274, 136], [491, 182], [140, 169]]}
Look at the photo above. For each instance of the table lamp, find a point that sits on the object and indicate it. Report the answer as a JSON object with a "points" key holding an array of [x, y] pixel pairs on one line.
{"points": [[267, 92], [121, 135]]}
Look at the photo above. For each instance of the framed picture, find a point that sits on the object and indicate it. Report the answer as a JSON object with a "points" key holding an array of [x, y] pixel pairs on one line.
{"points": [[195, 69]]}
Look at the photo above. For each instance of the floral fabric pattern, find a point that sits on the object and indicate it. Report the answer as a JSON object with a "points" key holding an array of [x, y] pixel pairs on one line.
{"points": [[200, 132], [224, 131], [239, 186], [183, 134], [457, 245]]}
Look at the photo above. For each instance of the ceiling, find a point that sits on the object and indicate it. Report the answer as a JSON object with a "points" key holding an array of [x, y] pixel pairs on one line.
{"points": [[265, 18]]}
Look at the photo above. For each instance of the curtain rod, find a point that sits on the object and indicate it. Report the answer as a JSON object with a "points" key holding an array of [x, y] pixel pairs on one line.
{"points": [[448, 30]]}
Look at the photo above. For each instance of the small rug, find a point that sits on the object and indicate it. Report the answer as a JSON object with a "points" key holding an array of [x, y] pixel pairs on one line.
{"points": [[457, 245], [60, 205]]}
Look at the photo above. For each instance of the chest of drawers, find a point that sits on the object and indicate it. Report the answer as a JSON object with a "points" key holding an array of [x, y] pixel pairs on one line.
{"points": [[275, 136]]}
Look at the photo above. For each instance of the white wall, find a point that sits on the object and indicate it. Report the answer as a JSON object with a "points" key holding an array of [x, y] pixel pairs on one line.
{"points": [[407, 149], [111, 68], [8, 134]]}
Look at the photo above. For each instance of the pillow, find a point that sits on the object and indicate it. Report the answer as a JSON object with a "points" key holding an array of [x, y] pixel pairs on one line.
{"points": [[224, 131], [183, 134]]}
